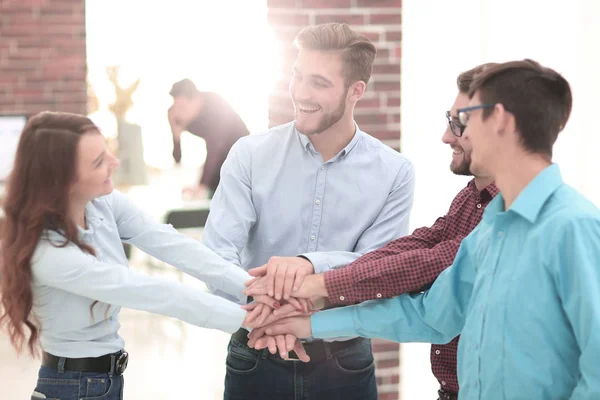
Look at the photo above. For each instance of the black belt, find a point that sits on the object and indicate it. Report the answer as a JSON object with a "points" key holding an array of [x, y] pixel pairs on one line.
{"points": [[317, 350], [445, 395], [115, 363]]}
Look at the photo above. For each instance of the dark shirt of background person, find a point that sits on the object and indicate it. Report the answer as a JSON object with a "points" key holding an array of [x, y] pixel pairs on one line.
{"points": [[209, 116]]}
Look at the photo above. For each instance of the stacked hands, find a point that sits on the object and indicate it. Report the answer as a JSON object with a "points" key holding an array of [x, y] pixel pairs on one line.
{"points": [[285, 295]]}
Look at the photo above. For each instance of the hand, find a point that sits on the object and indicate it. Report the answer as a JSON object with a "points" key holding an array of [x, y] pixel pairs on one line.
{"points": [[299, 326], [298, 304], [176, 127], [283, 275], [312, 287], [265, 310], [259, 311], [283, 343]]}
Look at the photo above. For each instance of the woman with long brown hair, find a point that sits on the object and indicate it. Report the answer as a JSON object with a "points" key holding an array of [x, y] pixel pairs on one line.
{"points": [[63, 271]]}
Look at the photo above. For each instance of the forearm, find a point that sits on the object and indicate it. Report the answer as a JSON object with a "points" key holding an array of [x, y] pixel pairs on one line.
{"points": [[193, 258], [390, 275], [391, 319]]}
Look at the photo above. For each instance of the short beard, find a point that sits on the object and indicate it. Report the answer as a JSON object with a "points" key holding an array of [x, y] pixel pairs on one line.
{"points": [[329, 120], [463, 169]]}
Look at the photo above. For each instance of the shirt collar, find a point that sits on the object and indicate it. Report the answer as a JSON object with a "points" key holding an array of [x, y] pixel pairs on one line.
{"points": [[93, 218], [487, 193], [531, 200], [308, 146]]}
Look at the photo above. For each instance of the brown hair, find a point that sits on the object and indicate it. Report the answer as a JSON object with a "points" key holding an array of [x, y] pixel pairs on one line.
{"points": [[358, 53], [464, 80], [539, 98], [37, 199]]}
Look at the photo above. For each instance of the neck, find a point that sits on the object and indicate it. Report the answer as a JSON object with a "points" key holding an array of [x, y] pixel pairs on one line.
{"points": [[332, 140], [482, 182], [77, 212], [517, 174]]}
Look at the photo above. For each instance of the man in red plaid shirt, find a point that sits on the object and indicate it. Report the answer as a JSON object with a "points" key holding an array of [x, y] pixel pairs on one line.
{"points": [[412, 263]]}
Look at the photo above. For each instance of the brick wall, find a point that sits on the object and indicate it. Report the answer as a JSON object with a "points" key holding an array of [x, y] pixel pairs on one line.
{"points": [[42, 56], [378, 113]]}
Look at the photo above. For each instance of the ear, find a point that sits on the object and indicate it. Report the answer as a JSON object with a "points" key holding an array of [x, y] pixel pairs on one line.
{"points": [[356, 91], [505, 120]]}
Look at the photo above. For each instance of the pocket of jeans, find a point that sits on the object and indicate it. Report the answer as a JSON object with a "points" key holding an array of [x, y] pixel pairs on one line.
{"points": [[355, 360], [55, 388], [241, 361], [97, 388]]}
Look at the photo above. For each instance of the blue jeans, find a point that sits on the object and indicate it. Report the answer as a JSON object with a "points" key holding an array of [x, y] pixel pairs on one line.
{"points": [[348, 374], [71, 385]]}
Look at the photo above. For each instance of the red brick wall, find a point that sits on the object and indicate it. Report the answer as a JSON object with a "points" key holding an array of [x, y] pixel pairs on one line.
{"points": [[42, 56], [378, 113]]}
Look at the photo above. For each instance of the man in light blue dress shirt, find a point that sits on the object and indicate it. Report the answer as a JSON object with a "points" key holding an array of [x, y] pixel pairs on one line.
{"points": [[318, 188], [524, 289]]}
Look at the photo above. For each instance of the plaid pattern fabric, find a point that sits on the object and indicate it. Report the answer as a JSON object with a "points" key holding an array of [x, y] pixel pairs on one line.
{"points": [[411, 264]]}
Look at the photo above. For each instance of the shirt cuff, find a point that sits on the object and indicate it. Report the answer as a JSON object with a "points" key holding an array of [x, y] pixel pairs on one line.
{"points": [[228, 318], [318, 260], [335, 323], [339, 285], [235, 284]]}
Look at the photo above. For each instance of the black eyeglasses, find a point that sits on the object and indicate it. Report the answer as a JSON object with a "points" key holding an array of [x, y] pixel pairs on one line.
{"points": [[463, 113], [456, 127]]}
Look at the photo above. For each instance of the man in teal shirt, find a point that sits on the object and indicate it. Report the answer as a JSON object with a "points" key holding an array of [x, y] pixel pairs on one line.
{"points": [[524, 289]]}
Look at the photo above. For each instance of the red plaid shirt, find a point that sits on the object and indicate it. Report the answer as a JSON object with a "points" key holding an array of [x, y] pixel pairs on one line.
{"points": [[411, 264]]}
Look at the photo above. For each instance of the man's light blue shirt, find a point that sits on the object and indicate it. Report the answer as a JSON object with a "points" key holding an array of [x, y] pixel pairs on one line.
{"points": [[67, 280], [277, 197], [523, 292]]}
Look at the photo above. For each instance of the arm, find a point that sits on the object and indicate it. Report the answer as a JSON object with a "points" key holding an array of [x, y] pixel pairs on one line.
{"points": [[176, 131], [405, 265], [436, 316], [578, 284], [74, 271], [232, 212], [216, 153], [391, 223], [168, 245]]}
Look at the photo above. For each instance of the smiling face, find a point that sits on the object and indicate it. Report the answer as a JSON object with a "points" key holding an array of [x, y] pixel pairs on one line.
{"points": [[461, 147], [94, 167], [319, 91]]}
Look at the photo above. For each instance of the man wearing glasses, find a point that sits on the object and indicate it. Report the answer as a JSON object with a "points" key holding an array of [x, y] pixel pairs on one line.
{"points": [[412, 263], [524, 288]]}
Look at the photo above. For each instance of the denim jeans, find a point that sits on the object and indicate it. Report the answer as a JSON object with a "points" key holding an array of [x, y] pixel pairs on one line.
{"points": [[71, 385], [256, 375]]}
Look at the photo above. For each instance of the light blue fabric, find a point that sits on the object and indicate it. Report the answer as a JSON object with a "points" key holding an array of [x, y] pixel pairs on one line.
{"points": [[523, 292], [277, 197], [67, 280]]}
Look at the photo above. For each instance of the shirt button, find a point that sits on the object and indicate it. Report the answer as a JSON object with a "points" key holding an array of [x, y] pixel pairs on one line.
{"points": [[318, 202], [500, 234], [378, 295], [342, 298], [322, 168], [479, 205], [313, 237], [437, 352], [443, 383]]}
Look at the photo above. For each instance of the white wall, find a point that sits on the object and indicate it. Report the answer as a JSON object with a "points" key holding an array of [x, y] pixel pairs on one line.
{"points": [[443, 38]]}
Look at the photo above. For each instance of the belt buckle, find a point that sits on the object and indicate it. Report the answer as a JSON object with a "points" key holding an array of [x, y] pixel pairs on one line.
{"points": [[288, 358], [121, 363]]}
